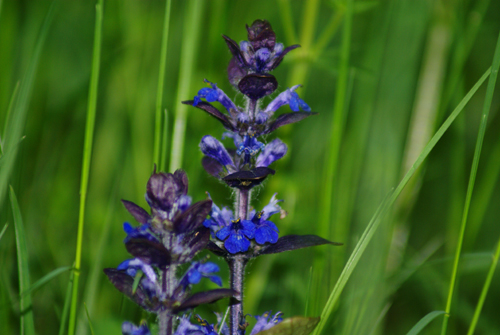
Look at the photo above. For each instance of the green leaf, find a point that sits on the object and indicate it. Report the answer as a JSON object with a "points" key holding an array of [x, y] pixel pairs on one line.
{"points": [[42, 281], [27, 323], [424, 322], [297, 325], [3, 230], [88, 318], [137, 280]]}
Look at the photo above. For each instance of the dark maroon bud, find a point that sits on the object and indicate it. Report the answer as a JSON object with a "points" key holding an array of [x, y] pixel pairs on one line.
{"points": [[256, 86], [261, 35]]}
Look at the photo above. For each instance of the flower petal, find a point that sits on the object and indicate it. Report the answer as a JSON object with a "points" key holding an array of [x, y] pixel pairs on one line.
{"points": [[272, 152], [211, 147]]}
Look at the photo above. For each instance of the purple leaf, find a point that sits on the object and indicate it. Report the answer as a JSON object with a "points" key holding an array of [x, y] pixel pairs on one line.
{"points": [[216, 249], [277, 60], [137, 212], [150, 252], [206, 297], [245, 180], [288, 118], [293, 242], [124, 283], [256, 86], [235, 50], [197, 241], [212, 166], [207, 107], [193, 217]]}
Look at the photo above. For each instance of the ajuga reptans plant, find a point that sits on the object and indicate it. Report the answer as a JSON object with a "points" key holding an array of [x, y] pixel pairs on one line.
{"points": [[176, 230]]}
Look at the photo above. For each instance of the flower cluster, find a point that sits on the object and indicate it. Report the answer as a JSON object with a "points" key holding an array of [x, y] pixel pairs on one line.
{"points": [[167, 238], [243, 234], [176, 230]]}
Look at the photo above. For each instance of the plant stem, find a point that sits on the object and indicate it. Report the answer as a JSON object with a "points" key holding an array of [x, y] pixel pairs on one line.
{"points": [[166, 317], [237, 272], [237, 267]]}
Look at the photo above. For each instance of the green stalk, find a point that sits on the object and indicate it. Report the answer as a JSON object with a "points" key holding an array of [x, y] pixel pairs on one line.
{"points": [[25, 306], [87, 154], [484, 291], [470, 188], [157, 150], [382, 210], [190, 37], [308, 24]]}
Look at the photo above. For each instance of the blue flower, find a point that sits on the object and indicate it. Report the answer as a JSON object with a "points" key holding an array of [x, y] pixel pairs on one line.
{"points": [[129, 328], [288, 97], [247, 145], [213, 148], [187, 328], [218, 218], [265, 322], [266, 231], [199, 270], [214, 94], [272, 152], [141, 231], [236, 236]]}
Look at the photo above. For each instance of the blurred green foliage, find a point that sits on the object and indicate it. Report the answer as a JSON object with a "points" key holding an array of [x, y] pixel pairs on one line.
{"points": [[410, 63]]}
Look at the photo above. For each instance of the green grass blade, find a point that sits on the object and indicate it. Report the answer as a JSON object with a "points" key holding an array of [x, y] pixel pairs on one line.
{"points": [[192, 25], [87, 154], [157, 159], [424, 322], [88, 318], [16, 122], [27, 322], [3, 230], [8, 115], [470, 188], [375, 221], [484, 291], [339, 112], [45, 279], [66, 306]]}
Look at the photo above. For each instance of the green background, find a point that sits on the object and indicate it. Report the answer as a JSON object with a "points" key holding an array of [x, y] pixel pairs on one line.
{"points": [[408, 61]]}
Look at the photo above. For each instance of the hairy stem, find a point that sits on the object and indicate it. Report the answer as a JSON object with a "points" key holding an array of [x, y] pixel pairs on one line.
{"points": [[237, 268], [166, 317], [237, 272]]}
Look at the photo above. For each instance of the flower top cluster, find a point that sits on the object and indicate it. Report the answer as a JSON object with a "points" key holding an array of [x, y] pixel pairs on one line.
{"points": [[167, 238], [249, 72]]}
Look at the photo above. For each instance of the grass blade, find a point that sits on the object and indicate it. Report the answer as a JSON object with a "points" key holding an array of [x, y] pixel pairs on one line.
{"points": [[157, 151], [470, 188], [16, 122], [67, 303], [375, 221], [424, 322], [88, 317], [484, 291], [45, 279], [87, 154], [8, 115], [3, 230], [189, 50], [27, 322]]}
